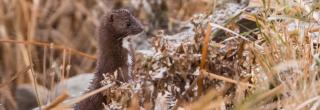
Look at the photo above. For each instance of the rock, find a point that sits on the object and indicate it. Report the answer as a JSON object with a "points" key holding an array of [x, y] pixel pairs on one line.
{"points": [[26, 96], [75, 86]]}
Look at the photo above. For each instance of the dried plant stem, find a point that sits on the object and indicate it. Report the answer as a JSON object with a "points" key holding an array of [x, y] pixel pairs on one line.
{"points": [[73, 51], [214, 76], [65, 95], [34, 15], [15, 76], [261, 97], [314, 30], [8, 96], [237, 35], [91, 94], [57, 101], [204, 58], [134, 105], [272, 92], [307, 102], [63, 67]]}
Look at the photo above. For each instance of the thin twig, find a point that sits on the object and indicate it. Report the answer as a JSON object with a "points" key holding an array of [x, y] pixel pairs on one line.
{"points": [[237, 35], [307, 102], [44, 44], [91, 94], [214, 76], [16, 76], [57, 101]]}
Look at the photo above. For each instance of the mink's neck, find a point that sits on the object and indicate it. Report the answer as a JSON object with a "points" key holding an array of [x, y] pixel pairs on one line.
{"points": [[111, 57], [111, 53]]}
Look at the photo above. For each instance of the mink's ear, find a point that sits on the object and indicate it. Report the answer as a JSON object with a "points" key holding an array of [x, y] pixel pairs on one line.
{"points": [[111, 17]]}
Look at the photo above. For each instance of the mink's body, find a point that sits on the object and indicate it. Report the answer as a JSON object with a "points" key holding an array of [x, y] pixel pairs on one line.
{"points": [[114, 26]]}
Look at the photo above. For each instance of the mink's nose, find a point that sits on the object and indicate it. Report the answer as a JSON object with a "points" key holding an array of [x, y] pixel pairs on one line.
{"points": [[136, 30], [137, 27]]}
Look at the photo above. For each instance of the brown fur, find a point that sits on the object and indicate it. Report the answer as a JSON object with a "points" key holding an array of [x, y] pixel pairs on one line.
{"points": [[115, 26]]}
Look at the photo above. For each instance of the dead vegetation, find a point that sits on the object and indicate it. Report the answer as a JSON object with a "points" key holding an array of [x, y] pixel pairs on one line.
{"points": [[202, 54]]}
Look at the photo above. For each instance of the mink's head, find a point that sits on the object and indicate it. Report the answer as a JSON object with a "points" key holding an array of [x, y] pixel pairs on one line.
{"points": [[122, 23]]}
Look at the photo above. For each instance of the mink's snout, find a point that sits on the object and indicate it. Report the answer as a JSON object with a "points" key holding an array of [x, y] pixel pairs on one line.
{"points": [[136, 30]]}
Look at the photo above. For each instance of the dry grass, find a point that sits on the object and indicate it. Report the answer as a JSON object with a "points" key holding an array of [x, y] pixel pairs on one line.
{"points": [[274, 66]]}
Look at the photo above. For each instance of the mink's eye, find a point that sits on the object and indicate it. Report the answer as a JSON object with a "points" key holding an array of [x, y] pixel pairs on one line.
{"points": [[128, 24]]}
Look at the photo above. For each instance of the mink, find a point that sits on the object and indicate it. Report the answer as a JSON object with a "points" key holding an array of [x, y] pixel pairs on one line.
{"points": [[114, 27]]}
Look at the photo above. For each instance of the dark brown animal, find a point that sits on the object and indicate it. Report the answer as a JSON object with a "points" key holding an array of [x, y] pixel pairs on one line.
{"points": [[114, 26]]}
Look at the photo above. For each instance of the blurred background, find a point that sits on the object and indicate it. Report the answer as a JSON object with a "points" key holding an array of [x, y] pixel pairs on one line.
{"points": [[49, 40], [72, 23], [264, 54]]}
